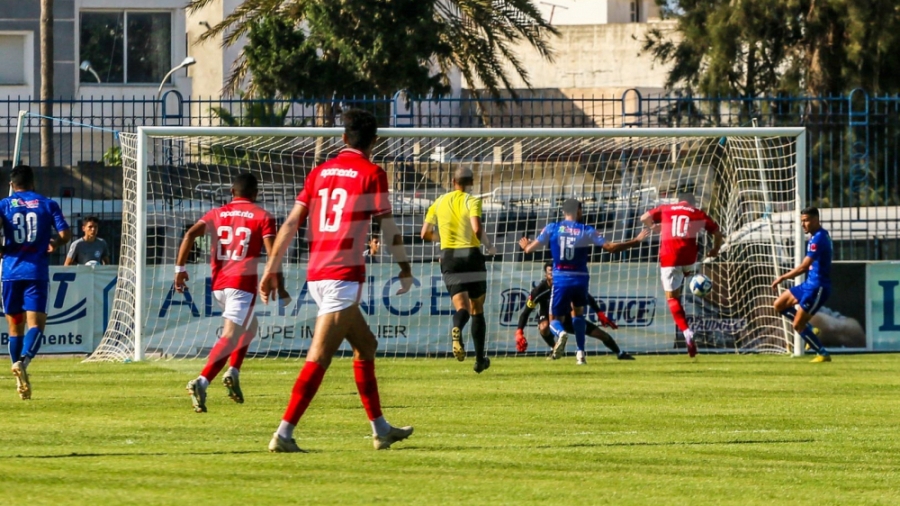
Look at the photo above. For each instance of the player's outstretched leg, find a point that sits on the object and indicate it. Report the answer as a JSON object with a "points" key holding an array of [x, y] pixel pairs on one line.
{"points": [[680, 318], [364, 346], [608, 341], [579, 325], [218, 357], [460, 318], [31, 343], [559, 349], [23, 388], [232, 379]]}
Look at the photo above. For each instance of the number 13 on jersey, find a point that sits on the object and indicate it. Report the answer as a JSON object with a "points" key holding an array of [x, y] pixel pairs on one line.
{"points": [[336, 202]]}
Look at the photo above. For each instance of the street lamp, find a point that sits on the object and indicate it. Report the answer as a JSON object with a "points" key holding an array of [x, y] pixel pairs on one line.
{"points": [[187, 62], [86, 66]]}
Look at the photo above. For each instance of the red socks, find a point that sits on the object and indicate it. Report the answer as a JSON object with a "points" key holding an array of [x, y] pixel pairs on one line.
{"points": [[218, 357], [367, 385], [678, 314], [304, 390], [237, 356]]}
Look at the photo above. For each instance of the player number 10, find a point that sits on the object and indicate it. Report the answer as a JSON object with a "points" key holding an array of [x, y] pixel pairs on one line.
{"points": [[26, 227], [680, 226]]}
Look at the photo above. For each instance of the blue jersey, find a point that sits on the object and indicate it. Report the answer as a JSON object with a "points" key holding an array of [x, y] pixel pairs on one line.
{"points": [[819, 249], [570, 244], [28, 223]]}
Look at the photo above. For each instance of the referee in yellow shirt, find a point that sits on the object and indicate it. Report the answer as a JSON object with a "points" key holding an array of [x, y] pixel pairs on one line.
{"points": [[457, 216]]}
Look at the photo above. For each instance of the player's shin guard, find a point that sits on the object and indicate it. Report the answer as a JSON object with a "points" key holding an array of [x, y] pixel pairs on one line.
{"points": [[460, 318], [15, 348], [580, 327], [556, 327], [239, 353], [31, 343], [367, 385], [678, 314], [218, 357], [305, 389], [479, 333]]}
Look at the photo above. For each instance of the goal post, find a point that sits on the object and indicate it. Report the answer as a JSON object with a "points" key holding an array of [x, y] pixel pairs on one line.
{"points": [[750, 180]]}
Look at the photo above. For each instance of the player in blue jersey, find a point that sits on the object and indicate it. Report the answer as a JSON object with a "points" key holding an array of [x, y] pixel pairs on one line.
{"points": [[570, 245], [28, 221], [799, 303]]}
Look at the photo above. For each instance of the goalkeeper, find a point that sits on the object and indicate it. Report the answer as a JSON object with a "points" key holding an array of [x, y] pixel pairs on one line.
{"points": [[540, 297]]}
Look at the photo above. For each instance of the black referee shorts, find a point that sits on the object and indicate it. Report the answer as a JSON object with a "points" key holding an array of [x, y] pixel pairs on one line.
{"points": [[464, 271]]}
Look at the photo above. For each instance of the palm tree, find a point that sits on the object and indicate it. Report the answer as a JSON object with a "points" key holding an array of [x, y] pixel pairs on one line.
{"points": [[46, 83], [482, 34]]}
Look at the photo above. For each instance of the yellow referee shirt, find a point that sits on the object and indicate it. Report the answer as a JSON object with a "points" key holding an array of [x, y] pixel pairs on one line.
{"points": [[451, 213]]}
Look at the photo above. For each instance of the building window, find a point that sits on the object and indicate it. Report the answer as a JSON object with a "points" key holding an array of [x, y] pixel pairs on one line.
{"points": [[636, 11], [12, 72], [126, 46]]}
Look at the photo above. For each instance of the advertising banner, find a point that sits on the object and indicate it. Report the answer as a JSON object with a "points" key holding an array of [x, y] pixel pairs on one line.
{"points": [[883, 294], [74, 310]]}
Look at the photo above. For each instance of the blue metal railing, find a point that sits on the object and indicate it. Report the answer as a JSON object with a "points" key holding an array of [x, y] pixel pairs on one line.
{"points": [[852, 158]]}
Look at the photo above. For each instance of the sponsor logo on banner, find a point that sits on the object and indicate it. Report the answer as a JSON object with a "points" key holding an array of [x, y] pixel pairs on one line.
{"points": [[629, 311], [69, 326], [701, 324]]}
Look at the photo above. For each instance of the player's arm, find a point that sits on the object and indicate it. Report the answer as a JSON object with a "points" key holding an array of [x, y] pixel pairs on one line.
{"points": [[184, 251], [271, 275], [601, 316], [70, 256], [651, 219], [530, 246], [391, 235], [482, 235], [60, 240], [615, 247], [718, 241], [284, 298], [793, 273]]}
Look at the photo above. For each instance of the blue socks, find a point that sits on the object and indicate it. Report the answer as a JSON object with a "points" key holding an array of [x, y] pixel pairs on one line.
{"points": [[807, 333], [557, 328], [580, 326], [31, 343], [15, 348]]}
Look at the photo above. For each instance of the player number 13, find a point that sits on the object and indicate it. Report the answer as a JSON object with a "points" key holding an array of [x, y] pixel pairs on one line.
{"points": [[336, 202]]}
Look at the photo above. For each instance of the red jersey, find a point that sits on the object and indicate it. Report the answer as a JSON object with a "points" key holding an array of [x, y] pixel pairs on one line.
{"points": [[237, 231], [342, 195], [680, 224]]}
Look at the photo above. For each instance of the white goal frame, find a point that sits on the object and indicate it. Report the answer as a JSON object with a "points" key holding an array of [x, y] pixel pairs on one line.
{"points": [[145, 133]]}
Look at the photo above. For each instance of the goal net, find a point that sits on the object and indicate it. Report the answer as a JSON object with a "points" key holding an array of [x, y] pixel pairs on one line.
{"points": [[746, 179]]}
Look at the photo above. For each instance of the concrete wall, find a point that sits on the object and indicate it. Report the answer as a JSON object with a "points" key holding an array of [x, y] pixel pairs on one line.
{"points": [[595, 57]]}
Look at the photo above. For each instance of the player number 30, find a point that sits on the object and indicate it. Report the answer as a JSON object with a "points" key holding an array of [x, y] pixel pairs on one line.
{"points": [[26, 227]]}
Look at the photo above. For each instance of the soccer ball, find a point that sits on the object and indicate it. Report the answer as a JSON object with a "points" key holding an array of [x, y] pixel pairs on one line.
{"points": [[700, 285], [92, 263]]}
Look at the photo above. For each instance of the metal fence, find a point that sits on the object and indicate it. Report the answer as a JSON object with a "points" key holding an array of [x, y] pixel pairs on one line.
{"points": [[853, 148]]}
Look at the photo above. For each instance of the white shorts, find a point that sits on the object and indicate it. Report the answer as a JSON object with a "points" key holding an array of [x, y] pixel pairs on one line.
{"points": [[237, 305], [673, 277], [332, 296]]}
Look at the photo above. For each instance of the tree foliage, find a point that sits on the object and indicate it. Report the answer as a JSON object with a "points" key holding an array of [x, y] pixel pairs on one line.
{"points": [[378, 46], [753, 47]]}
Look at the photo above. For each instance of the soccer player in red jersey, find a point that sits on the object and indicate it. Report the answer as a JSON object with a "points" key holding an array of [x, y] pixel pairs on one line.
{"points": [[340, 197], [239, 231], [679, 225]]}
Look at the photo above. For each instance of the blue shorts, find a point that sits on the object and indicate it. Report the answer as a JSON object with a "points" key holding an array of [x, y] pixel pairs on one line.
{"points": [[25, 295], [811, 297], [563, 296]]}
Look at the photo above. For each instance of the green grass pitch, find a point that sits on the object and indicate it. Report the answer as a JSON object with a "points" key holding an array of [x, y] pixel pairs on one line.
{"points": [[723, 430]]}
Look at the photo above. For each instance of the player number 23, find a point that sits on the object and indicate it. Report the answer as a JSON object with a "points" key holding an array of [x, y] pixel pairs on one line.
{"points": [[337, 201], [227, 235], [26, 227], [680, 226]]}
